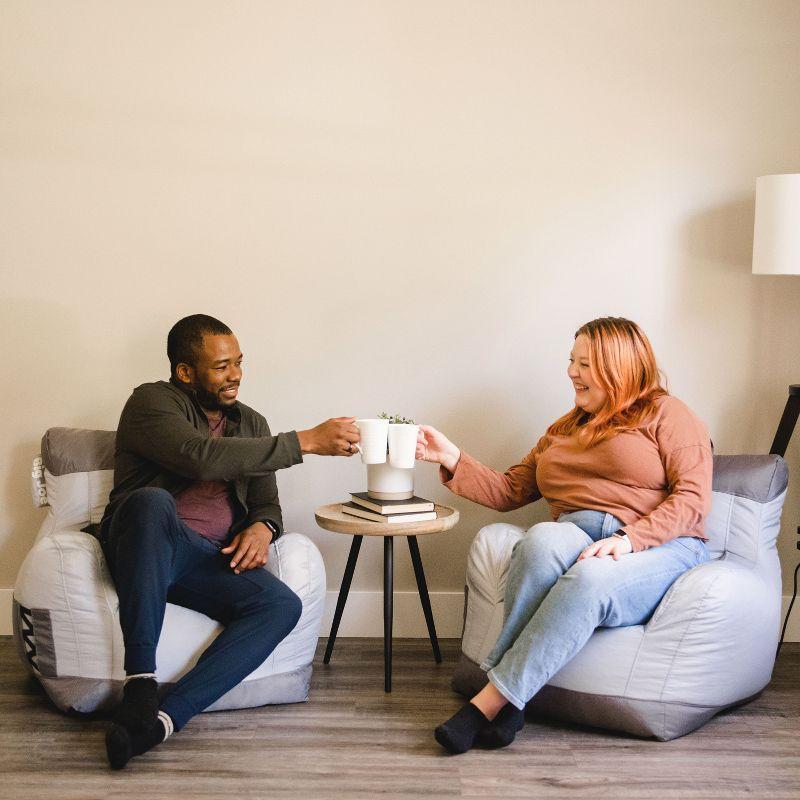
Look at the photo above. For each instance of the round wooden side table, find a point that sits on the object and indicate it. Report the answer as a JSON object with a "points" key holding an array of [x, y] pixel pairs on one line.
{"points": [[332, 518]]}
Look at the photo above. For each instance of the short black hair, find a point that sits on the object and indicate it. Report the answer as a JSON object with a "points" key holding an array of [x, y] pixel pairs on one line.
{"points": [[186, 338]]}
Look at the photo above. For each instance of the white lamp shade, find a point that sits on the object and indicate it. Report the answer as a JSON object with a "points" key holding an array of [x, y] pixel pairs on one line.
{"points": [[776, 238]]}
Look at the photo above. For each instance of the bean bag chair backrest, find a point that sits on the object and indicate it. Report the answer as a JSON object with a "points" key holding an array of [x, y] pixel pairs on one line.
{"points": [[79, 472], [744, 522]]}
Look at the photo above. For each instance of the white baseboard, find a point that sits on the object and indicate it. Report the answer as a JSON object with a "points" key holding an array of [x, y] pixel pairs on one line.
{"points": [[6, 597], [363, 615]]}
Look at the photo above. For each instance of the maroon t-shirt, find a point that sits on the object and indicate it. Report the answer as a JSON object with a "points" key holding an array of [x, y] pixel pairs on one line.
{"points": [[207, 506]]}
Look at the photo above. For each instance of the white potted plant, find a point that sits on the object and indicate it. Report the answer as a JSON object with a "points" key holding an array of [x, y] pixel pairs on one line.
{"points": [[387, 481]]}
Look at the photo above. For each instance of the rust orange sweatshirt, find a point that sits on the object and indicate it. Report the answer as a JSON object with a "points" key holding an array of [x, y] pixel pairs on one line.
{"points": [[655, 478]]}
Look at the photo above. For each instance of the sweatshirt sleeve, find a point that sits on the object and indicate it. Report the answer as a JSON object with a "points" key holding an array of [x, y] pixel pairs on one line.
{"points": [[685, 449], [155, 427], [263, 504], [501, 491]]}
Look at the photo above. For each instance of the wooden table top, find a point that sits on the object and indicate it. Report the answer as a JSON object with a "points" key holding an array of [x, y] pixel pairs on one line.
{"points": [[332, 518]]}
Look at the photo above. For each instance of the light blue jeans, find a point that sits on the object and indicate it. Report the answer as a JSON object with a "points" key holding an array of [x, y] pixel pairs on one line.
{"points": [[553, 602]]}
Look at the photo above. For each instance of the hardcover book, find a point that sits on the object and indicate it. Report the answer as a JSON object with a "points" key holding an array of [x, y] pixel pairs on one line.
{"points": [[359, 511], [411, 505]]}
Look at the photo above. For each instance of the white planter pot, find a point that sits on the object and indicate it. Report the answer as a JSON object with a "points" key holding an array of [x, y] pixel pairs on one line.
{"points": [[385, 482]]}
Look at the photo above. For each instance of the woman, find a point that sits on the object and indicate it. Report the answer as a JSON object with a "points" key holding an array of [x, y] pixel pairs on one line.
{"points": [[627, 477]]}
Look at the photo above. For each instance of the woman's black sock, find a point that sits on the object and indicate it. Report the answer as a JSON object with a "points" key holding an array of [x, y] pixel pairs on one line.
{"points": [[458, 734], [500, 732]]}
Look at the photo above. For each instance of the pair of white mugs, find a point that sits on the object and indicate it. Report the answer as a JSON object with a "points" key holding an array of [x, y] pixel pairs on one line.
{"points": [[378, 435]]}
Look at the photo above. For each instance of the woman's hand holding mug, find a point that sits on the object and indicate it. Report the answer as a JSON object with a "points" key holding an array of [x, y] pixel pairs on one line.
{"points": [[432, 445]]}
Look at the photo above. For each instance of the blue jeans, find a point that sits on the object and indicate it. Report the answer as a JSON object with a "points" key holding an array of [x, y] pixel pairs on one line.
{"points": [[155, 558], [553, 602]]}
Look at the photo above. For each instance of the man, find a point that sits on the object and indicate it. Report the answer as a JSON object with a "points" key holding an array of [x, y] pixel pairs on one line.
{"points": [[190, 519]]}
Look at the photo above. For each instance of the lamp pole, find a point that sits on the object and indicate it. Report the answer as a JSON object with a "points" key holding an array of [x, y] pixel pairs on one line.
{"points": [[776, 251], [787, 423]]}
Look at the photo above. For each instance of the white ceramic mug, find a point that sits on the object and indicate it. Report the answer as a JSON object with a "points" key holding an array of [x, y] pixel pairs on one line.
{"points": [[374, 436], [403, 445]]}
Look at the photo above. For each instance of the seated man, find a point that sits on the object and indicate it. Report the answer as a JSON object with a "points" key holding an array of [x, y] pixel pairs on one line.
{"points": [[189, 521]]}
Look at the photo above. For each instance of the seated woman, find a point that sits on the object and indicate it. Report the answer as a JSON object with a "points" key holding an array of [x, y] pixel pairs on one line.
{"points": [[627, 477]]}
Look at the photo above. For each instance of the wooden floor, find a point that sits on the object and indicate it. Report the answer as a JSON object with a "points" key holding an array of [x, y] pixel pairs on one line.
{"points": [[352, 740]]}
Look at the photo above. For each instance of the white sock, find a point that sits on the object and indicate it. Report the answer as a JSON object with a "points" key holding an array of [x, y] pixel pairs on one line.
{"points": [[166, 721], [140, 675]]}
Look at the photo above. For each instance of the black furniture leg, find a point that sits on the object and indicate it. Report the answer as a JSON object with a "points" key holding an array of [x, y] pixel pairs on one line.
{"points": [[388, 589], [423, 596], [343, 592], [787, 423]]}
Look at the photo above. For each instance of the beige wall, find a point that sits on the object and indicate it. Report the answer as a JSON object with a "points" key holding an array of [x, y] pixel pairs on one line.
{"points": [[400, 206]]}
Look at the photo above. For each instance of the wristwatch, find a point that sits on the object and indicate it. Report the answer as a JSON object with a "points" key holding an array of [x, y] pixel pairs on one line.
{"points": [[273, 527]]}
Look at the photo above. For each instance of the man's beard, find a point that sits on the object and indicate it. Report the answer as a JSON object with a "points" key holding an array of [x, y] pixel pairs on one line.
{"points": [[209, 400]]}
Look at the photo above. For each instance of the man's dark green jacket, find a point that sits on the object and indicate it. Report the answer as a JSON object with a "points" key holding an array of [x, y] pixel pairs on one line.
{"points": [[163, 441]]}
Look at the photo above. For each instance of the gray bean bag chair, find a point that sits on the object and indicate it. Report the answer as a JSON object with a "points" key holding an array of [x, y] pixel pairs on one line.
{"points": [[710, 644], [66, 610]]}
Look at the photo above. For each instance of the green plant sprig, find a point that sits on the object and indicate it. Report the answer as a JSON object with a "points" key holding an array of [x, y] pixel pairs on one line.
{"points": [[396, 419]]}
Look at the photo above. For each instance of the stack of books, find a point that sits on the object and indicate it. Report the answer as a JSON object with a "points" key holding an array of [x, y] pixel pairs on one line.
{"points": [[415, 509]]}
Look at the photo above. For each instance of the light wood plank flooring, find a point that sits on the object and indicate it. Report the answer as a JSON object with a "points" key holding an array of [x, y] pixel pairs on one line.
{"points": [[353, 741]]}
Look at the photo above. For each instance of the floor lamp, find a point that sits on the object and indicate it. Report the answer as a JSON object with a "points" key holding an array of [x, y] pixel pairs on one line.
{"points": [[776, 251]]}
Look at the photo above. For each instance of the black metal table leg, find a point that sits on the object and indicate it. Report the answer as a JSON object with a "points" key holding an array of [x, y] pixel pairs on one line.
{"points": [[422, 586], [388, 589], [343, 592]]}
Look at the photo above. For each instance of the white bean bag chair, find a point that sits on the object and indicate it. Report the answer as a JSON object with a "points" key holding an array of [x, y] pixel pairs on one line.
{"points": [[66, 619], [710, 644]]}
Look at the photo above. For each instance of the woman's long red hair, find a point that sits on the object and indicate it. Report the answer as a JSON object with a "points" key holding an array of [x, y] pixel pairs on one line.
{"points": [[622, 362]]}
